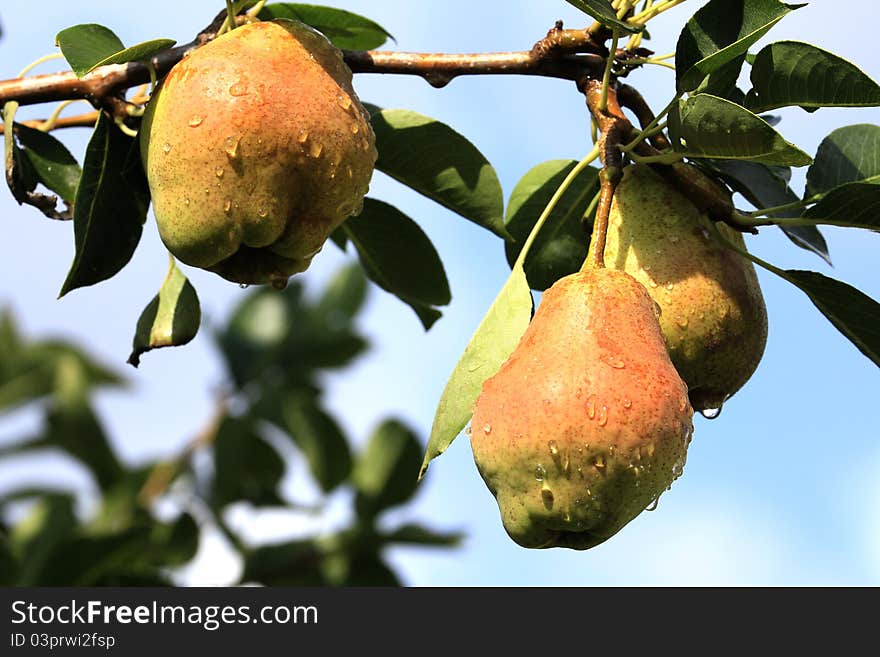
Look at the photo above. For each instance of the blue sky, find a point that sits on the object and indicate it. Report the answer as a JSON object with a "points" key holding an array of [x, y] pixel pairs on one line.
{"points": [[783, 488]]}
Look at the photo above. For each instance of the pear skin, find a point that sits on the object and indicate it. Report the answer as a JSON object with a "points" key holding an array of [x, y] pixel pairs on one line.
{"points": [[256, 148], [588, 422], [712, 311]]}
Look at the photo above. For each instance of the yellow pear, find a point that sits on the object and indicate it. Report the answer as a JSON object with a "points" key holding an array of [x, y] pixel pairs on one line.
{"points": [[588, 422], [712, 310], [256, 148]]}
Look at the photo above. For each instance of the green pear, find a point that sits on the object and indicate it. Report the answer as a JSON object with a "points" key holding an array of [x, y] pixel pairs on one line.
{"points": [[256, 148], [588, 422], [712, 310]]}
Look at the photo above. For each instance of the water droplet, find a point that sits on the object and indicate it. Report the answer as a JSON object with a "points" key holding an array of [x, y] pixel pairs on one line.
{"points": [[652, 283], [674, 239], [262, 213], [315, 150], [682, 321], [231, 146], [437, 80], [279, 282], [227, 207], [238, 89], [344, 102], [554, 449], [603, 416], [243, 286], [468, 431], [166, 148], [196, 120], [711, 413], [547, 497], [682, 404], [219, 172], [355, 128], [540, 473], [653, 505], [349, 171], [186, 201], [599, 463], [615, 362], [669, 285], [627, 403], [591, 408]]}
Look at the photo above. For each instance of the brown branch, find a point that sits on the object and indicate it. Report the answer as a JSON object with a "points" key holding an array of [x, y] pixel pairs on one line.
{"points": [[86, 120]]}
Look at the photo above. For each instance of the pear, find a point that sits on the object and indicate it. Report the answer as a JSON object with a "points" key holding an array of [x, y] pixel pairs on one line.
{"points": [[256, 148], [587, 422], [712, 310]]}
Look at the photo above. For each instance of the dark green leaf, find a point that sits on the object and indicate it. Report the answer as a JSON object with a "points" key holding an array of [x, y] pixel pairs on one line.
{"points": [[491, 344], [603, 12], [369, 570], [85, 45], [386, 472], [766, 187], [792, 73], [343, 28], [296, 563], [171, 319], [398, 255], [246, 467], [56, 168], [319, 438], [175, 543], [720, 32], [708, 126], [418, 535], [8, 564], [849, 154], [722, 82], [110, 208], [561, 246], [436, 161], [34, 539], [136, 53], [852, 312], [855, 205]]}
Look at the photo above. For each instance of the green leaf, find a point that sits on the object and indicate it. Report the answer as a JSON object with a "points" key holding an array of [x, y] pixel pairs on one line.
{"points": [[398, 256], [319, 438], [136, 53], [246, 467], [720, 32], [174, 543], [344, 29], [854, 205], [83, 46], [603, 12], [849, 154], [34, 539], [110, 207], [418, 535], [708, 126], [766, 187], [852, 312], [436, 161], [793, 73], [56, 168], [386, 472], [171, 319], [294, 563], [494, 340], [344, 295], [561, 246]]}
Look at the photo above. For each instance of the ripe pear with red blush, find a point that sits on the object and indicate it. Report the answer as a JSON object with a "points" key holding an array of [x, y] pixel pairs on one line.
{"points": [[587, 423], [256, 148]]}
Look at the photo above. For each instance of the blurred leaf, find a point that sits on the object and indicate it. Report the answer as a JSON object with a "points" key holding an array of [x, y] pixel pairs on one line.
{"points": [[246, 467], [56, 168], [434, 160], [85, 45], [295, 563], [418, 535], [344, 295], [33, 540], [136, 53], [343, 28], [708, 126], [792, 73], [174, 543], [491, 344], [720, 32], [561, 246], [8, 563], [110, 208], [766, 187], [398, 256], [369, 570], [603, 12], [319, 438], [171, 319], [849, 154], [386, 472]]}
